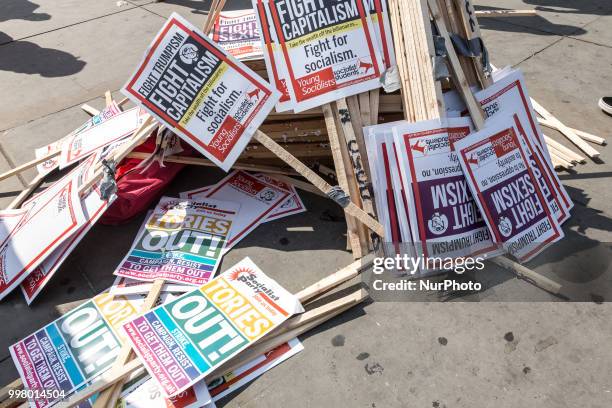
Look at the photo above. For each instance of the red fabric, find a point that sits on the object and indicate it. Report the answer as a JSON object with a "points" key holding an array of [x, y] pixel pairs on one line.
{"points": [[136, 191]]}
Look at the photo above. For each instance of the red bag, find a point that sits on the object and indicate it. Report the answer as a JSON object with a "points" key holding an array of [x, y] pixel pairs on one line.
{"points": [[138, 189]]}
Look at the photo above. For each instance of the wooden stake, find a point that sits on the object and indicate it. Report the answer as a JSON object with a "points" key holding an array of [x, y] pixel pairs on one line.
{"points": [[526, 273], [567, 151], [583, 135], [108, 97], [352, 234], [108, 397], [566, 131], [335, 279], [200, 161], [33, 185], [29, 165], [472, 31], [90, 110]]}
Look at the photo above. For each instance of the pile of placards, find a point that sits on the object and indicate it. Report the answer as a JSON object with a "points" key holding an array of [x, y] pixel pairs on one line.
{"points": [[445, 191], [444, 183]]}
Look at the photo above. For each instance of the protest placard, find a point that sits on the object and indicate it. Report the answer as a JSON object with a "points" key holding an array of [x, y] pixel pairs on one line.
{"points": [[51, 219], [503, 183], [93, 207], [272, 57], [50, 164], [182, 241], [391, 198], [146, 393], [329, 49], [257, 200], [206, 96], [233, 380], [181, 341], [237, 33], [445, 220], [379, 14], [74, 349], [508, 96], [86, 142], [292, 205]]}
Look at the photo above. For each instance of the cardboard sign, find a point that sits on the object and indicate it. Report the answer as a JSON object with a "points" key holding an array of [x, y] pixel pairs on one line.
{"points": [[182, 242], [508, 96], [237, 33], [146, 393], [74, 349], [50, 164], [209, 98], [329, 49], [292, 205], [233, 380], [257, 200], [379, 14], [93, 207], [447, 223], [52, 219], [181, 341], [391, 198], [503, 182], [271, 53], [86, 142]]}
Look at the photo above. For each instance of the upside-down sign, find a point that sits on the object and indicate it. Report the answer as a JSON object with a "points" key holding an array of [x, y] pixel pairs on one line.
{"points": [[203, 94]]}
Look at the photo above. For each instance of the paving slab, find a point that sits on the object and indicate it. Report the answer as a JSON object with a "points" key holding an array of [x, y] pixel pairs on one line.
{"points": [[25, 18], [558, 17], [64, 68], [598, 32], [498, 34]]}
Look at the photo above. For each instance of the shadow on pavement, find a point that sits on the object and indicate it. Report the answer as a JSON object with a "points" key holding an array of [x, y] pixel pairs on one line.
{"points": [[21, 10]]}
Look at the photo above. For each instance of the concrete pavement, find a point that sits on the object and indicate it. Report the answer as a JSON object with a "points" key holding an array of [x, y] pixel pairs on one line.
{"points": [[57, 54]]}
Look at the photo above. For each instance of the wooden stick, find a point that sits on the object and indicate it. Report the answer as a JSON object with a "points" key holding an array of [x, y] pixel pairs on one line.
{"points": [[583, 135], [15, 385], [302, 185], [558, 153], [137, 138], [566, 131], [200, 161], [108, 97], [354, 149], [567, 151], [506, 13], [90, 110], [28, 165], [108, 397], [335, 279], [558, 161], [260, 348], [462, 85], [526, 273], [33, 185], [123, 102], [472, 31], [101, 383], [354, 240]]}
